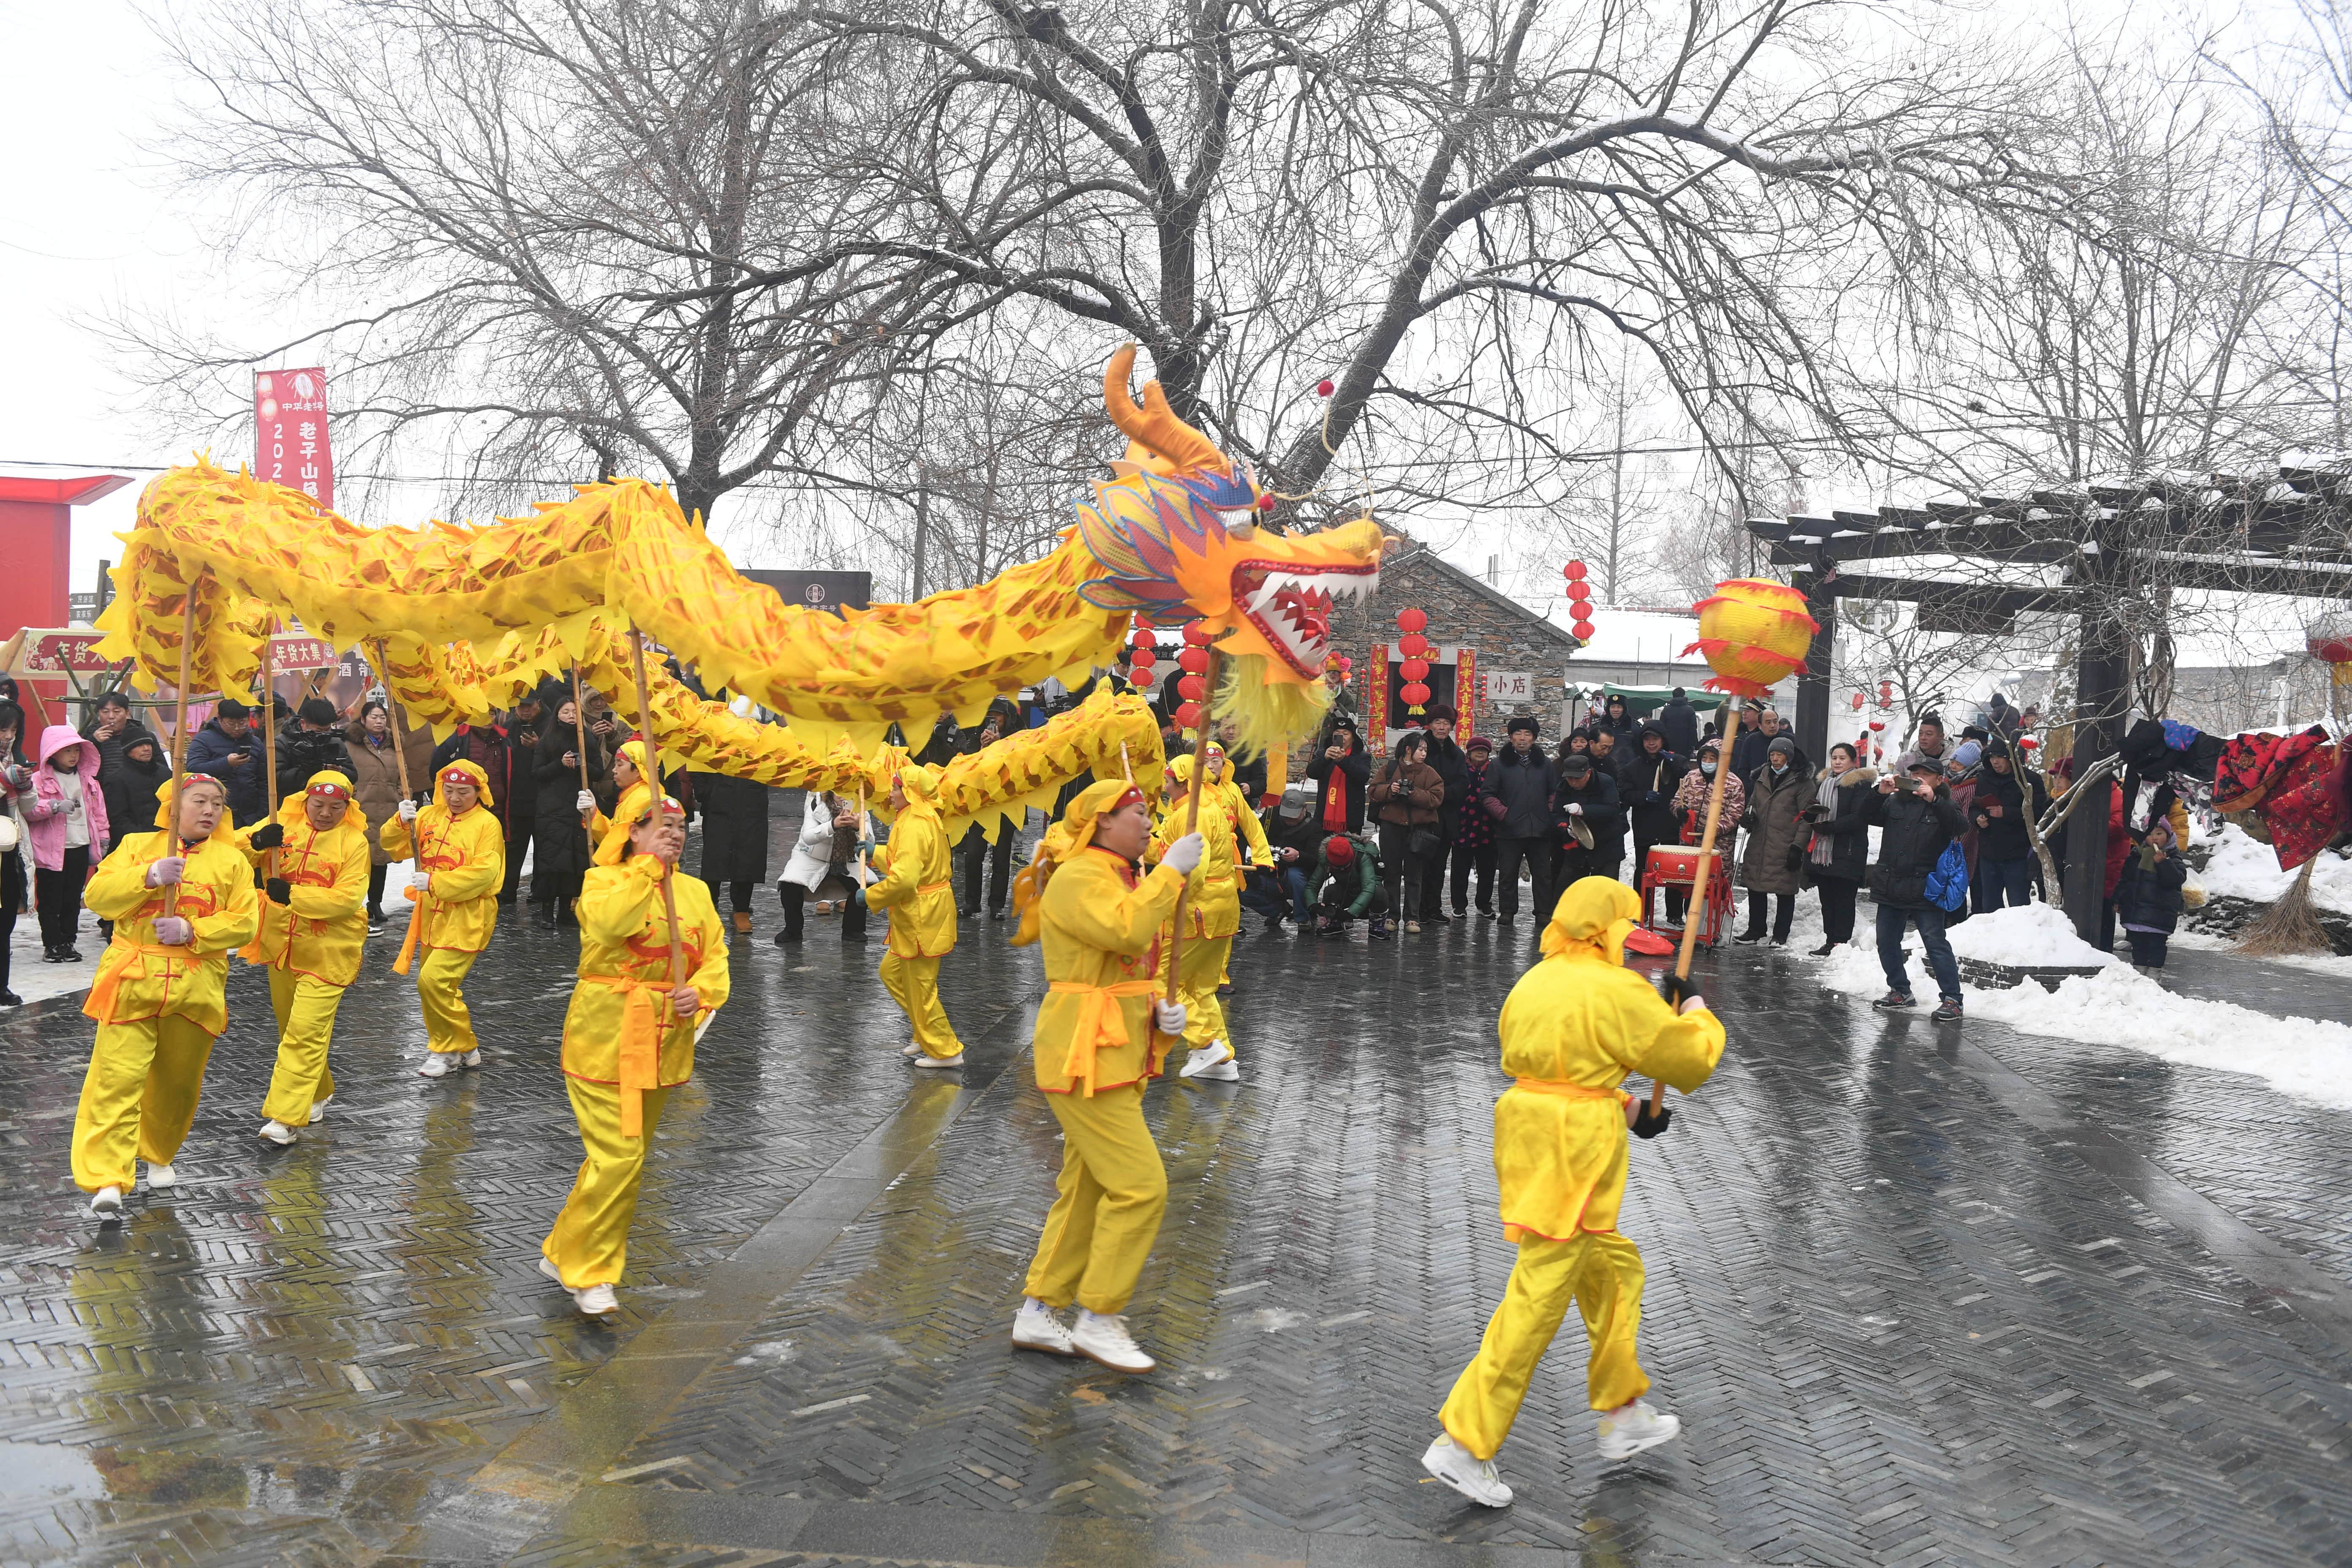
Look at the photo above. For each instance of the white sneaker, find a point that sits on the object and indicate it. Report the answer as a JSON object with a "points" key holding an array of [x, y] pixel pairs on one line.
{"points": [[547, 1267], [436, 1064], [939, 1063], [470, 1059], [1226, 1071], [277, 1133], [1204, 1057], [1474, 1478], [910, 1049], [161, 1178], [1630, 1428], [318, 1109], [1035, 1328], [1103, 1337], [107, 1204], [596, 1302]]}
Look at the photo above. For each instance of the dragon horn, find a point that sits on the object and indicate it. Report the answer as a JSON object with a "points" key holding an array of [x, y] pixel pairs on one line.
{"points": [[1155, 424]]}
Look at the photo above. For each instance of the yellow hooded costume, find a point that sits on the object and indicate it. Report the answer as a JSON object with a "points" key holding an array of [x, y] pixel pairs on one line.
{"points": [[158, 1008], [1095, 1048], [464, 853], [915, 890], [311, 943], [1212, 900], [1573, 1028], [626, 1046]]}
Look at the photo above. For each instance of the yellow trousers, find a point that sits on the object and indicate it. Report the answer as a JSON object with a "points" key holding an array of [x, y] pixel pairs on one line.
{"points": [[305, 1022], [448, 1026], [1200, 966], [589, 1242], [914, 984], [139, 1098], [1602, 1274], [1113, 1192]]}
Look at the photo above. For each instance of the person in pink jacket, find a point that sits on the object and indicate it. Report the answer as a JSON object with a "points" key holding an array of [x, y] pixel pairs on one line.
{"points": [[65, 817]]}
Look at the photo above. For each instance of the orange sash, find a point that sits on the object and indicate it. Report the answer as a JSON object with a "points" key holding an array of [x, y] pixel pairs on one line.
{"points": [[1100, 1024], [640, 1044], [100, 1004], [1568, 1090]]}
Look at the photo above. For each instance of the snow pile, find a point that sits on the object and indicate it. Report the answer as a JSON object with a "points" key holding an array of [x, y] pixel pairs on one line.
{"points": [[2027, 936], [2307, 1058], [2243, 867]]}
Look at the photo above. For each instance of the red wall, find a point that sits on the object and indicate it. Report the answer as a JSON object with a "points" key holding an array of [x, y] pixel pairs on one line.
{"points": [[35, 538]]}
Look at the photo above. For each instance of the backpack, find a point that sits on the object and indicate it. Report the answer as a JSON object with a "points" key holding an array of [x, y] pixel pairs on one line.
{"points": [[1947, 884]]}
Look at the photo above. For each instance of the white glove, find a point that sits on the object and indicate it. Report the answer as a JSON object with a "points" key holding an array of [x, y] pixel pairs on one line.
{"points": [[172, 931], [407, 811], [166, 871], [1693, 1005], [586, 801], [420, 882], [1169, 1016], [1574, 809], [1185, 854]]}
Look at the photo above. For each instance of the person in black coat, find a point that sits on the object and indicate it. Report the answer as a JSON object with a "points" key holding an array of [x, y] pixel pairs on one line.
{"points": [[1839, 854], [1679, 721], [1343, 757], [1452, 765], [2004, 873], [1519, 789], [1916, 820], [523, 723], [734, 839], [560, 850], [2149, 899], [311, 744], [973, 852], [1587, 798], [1646, 781], [228, 748]]}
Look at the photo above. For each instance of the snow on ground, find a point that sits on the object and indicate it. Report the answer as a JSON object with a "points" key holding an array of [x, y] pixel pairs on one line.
{"points": [[2243, 867], [2034, 934], [2308, 1057]]}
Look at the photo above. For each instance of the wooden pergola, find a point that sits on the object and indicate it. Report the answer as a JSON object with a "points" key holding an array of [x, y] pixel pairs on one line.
{"points": [[2075, 551]]}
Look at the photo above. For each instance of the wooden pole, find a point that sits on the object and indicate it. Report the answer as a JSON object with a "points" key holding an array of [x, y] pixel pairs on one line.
{"points": [[1706, 865], [651, 774], [579, 729], [269, 732], [416, 840], [180, 736], [1192, 811], [865, 832]]}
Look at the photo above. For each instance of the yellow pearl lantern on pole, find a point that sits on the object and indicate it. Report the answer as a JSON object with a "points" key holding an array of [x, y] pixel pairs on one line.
{"points": [[1754, 633]]}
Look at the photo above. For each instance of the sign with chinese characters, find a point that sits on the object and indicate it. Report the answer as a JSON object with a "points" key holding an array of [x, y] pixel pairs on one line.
{"points": [[300, 650], [289, 432], [62, 652], [1508, 688]]}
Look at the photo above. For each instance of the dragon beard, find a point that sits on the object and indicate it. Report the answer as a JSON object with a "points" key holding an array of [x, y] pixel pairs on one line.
{"points": [[1268, 714]]}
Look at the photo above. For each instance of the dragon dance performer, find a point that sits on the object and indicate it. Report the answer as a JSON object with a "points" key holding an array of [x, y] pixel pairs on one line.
{"points": [[461, 864], [1226, 790], [1096, 1047], [628, 1036], [1573, 1028], [917, 892], [159, 993], [313, 926], [1212, 915]]}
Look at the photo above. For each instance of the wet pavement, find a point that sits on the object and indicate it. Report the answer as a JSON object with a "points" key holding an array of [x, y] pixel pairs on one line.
{"points": [[1919, 1294]]}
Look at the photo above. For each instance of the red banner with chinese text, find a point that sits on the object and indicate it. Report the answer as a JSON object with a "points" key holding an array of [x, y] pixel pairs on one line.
{"points": [[1376, 698], [290, 432], [1466, 695]]}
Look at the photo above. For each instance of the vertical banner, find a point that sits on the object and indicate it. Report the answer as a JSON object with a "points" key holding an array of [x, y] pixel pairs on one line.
{"points": [[289, 432], [1467, 695], [1376, 697]]}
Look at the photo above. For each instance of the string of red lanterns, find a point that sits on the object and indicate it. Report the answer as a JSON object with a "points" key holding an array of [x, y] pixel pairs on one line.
{"points": [[1193, 687], [1580, 601], [1415, 668]]}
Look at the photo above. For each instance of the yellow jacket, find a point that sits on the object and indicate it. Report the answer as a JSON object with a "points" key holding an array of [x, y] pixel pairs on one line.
{"points": [[1243, 817], [1213, 907], [625, 956], [1572, 1028], [1100, 928], [137, 977], [321, 933], [467, 856], [917, 889]]}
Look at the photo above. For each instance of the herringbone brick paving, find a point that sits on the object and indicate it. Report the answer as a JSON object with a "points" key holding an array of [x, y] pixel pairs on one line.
{"points": [[1901, 1325]]}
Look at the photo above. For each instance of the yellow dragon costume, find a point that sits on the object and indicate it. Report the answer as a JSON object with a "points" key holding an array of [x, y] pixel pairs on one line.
{"points": [[313, 927], [915, 892], [1212, 909], [464, 853]]}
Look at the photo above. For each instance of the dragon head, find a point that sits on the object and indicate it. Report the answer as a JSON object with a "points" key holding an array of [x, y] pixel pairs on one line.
{"points": [[1174, 532]]}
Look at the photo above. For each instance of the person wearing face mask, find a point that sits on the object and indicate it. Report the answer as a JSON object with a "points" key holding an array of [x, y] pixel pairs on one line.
{"points": [[461, 864], [314, 925], [1691, 795], [159, 995], [1101, 1035], [628, 1036], [1772, 866]]}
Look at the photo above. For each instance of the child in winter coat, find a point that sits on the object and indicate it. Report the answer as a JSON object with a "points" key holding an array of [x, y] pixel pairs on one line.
{"points": [[65, 816], [2148, 899]]}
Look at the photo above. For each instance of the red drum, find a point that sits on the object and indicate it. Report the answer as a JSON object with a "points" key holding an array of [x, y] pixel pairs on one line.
{"points": [[1676, 866]]}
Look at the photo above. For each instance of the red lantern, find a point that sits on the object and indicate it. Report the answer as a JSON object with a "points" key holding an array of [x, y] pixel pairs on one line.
{"points": [[1573, 571], [1143, 623], [1324, 389], [2024, 743], [1857, 701], [1188, 716], [1143, 643], [1415, 695], [1412, 620], [1886, 694], [1191, 689], [1198, 634], [1414, 669], [1193, 660], [1140, 676], [1413, 645], [1580, 593], [1583, 626], [1878, 724]]}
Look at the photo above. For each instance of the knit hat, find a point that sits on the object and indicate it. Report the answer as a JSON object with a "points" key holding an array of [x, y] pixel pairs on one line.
{"points": [[1478, 744], [230, 708], [1339, 850], [1782, 746], [1967, 754]]}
